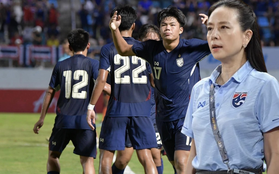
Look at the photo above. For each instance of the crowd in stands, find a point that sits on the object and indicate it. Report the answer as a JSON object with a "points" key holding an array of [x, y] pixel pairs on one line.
{"points": [[29, 22], [95, 15], [36, 21]]}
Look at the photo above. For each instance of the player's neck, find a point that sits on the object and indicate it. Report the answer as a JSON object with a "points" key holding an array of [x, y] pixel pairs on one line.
{"points": [[126, 33], [81, 52], [170, 44]]}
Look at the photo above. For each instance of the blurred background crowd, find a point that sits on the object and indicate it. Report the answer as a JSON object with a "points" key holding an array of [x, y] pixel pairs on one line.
{"points": [[47, 22]]}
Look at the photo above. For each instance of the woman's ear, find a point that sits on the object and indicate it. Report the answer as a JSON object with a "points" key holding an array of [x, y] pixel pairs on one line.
{"points": [[247, 37]]}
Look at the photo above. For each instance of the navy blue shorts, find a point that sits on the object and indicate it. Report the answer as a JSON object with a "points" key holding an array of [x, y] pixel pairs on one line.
{"points": [[172, 138], [84, 141], [113, 133], [128, 142]]}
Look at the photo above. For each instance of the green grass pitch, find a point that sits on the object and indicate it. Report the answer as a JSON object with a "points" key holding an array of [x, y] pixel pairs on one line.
{"points": [[23, 152]]}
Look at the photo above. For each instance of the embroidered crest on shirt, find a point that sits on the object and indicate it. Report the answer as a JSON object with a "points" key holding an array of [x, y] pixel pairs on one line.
{"points": [[179, 61], [239, 98]]}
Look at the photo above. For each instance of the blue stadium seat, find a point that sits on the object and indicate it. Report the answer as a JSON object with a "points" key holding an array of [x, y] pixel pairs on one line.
{"points": [[263, 21], [156, 4], [166, 4], [54, 2]]}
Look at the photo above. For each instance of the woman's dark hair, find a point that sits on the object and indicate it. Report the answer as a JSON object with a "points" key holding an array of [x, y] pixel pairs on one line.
{"points": [[146, 28], [78, 39], [247, 20], [172, 12], [128, 16]]}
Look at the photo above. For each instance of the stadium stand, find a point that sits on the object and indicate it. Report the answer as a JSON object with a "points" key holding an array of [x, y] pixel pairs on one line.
{"points": [[28, 24]]}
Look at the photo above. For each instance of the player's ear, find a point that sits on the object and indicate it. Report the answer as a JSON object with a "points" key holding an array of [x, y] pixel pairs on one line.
{"points": [[180, 30], [133, 26], [88, 45]]}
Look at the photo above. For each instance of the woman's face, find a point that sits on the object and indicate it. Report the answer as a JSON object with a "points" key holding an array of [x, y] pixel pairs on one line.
{"points": [[225, 37]]}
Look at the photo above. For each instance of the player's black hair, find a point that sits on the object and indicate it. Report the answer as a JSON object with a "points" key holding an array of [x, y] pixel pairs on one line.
{"points": [[172, 12], [247, 20], [128, 16], [146, 28], [78, 39]]}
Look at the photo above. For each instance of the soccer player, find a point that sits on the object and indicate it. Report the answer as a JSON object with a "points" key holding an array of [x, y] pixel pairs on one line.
{"points": [[75, 78], [129, 104], [172, 60], [146, 32]]}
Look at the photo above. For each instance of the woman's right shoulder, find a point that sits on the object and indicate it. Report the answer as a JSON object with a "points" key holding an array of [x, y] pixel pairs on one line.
{"points": [[203, 83]]}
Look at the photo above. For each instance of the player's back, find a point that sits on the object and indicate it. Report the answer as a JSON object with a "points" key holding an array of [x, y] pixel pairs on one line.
{"points": [[75, 76], [130, 84]]}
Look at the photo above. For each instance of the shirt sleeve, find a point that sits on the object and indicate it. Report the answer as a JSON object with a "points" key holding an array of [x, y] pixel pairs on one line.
{"points": [[200, 49], [148, 68], [144, 50], [104, 58], [95, 65], [54, 80], [267, 105], [187, 126]]}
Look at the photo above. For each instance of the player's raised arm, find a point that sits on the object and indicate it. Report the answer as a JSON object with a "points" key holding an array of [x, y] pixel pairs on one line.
{"points": [[121, 45]]}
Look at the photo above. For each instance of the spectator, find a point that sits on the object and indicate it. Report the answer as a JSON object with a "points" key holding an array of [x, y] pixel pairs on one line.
{"points": [[52, 41], [2, 22], [52, 30], [37, 36], [28, 15], [83, 17], [53, 15], [12, 23], [17, 39], [27, 33], [17, 11]]}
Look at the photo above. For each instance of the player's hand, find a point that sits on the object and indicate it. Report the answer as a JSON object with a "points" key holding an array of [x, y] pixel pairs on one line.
{"points": [[37, 126], [115, 21], [91, 118], [204, 18]]}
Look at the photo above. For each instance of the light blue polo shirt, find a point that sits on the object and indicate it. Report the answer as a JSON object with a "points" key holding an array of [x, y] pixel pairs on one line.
{"points": [[246, 106]]}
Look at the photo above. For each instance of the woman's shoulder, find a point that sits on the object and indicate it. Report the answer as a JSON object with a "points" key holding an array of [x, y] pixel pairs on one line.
{"points": [[264, 76]]}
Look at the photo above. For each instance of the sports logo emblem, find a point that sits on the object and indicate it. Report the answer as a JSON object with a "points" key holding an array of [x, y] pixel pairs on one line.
{"points": [[180, 62], [239, 98]]}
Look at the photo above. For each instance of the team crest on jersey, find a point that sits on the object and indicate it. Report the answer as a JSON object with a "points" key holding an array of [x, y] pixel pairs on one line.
{"points": [[239, 99], [180, 62]]}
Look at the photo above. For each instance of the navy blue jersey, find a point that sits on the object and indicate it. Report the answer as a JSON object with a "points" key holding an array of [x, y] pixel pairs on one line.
{"points": [[171, 72], [130, 85], [75, 77], [153, 106]]}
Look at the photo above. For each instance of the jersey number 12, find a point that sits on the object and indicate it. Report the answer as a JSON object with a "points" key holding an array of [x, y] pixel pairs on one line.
{"points": [[75, 91]]}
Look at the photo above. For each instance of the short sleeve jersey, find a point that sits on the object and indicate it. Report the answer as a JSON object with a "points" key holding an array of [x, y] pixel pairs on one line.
{"points": [[75, 77], [171, 72], [130, 84], [246, 107]]}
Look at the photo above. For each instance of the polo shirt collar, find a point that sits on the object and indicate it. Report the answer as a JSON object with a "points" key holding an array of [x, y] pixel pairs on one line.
{"points": [[239, 76]]}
